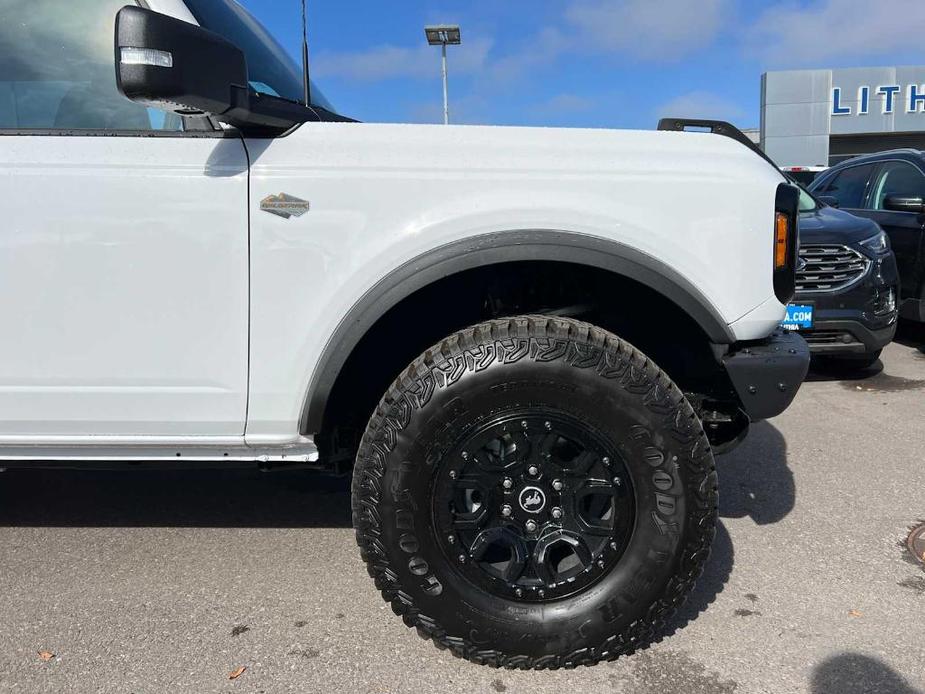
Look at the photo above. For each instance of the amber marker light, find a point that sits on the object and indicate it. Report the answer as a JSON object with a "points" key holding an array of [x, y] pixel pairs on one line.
{"points": [[781, 235]]}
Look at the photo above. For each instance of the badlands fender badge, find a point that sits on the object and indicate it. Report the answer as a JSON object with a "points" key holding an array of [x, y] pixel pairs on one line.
{"points": [[284, 205]]}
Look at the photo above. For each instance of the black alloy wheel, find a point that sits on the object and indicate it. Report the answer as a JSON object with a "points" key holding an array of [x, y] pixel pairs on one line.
{"points": [[533, 506], [534, 492]]}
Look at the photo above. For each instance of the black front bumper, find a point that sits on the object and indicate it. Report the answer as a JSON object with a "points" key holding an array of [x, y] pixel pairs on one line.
{"points": [[848, 337], [767, 374]]}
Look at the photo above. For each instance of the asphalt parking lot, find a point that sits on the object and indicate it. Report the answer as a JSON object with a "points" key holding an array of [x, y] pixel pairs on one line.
{"points": [[169, 581]]}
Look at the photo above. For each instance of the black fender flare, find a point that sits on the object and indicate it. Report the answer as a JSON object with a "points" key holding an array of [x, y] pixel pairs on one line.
{"points": [[490, 249]]}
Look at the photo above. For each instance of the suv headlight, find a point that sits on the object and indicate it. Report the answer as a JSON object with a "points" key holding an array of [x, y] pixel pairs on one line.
{"points": [[877, 244]]}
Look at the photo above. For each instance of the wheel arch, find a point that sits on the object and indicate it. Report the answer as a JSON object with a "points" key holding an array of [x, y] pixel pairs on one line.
{"points": [[492, 249]]}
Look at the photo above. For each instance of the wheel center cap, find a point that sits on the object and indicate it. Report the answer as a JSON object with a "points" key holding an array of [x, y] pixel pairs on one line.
{"points": [[532, 499]]}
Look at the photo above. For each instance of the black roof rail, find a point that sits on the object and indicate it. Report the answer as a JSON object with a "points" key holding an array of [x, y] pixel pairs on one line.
{"points": [[717, 127]]}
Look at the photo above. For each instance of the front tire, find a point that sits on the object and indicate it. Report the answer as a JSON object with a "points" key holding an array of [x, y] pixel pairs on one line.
{"points": [[534, 492]]}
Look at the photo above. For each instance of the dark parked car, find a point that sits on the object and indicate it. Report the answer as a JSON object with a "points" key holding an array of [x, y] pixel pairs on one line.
{"points": [[846, 288], [803, 175], [889, 188]]}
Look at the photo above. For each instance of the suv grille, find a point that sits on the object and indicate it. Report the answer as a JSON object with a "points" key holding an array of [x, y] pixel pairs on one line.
{"points": [[828, 268]]}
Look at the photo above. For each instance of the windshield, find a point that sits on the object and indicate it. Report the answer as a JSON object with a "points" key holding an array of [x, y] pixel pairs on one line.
{"points": [[270, 69], [807, 202]]}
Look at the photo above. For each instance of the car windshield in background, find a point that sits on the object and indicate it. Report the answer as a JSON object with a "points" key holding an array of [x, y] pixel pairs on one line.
{"points": [[270, 68], [807, 202], [804, 178]]}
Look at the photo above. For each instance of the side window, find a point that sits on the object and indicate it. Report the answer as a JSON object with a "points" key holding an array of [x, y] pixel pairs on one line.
{"points": [[897, 178], [848, 186], [57, 72]]}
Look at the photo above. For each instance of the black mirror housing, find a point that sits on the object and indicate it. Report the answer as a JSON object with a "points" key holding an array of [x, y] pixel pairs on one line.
{"points": [[904, 203], [176, 66]]}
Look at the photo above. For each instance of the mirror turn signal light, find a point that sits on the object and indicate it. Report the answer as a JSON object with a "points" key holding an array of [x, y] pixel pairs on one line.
{"points": [[781, 237]]}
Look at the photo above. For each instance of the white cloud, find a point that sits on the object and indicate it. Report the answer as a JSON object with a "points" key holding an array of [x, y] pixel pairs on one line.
{"points": [[660, 30], [566, 104], [465, 109], [389, 62], [701, 104], [655, 30], [540, 50], [802, 34]]}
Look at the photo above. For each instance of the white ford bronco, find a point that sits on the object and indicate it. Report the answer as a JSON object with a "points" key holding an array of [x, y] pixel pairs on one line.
{"points": [[527, 344]]}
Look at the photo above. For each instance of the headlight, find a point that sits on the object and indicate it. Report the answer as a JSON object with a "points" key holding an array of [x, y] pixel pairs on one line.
{"points": [[877, 244]]}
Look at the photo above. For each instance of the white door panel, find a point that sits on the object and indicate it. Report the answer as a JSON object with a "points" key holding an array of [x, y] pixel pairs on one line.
{"points": [[123, 286]]}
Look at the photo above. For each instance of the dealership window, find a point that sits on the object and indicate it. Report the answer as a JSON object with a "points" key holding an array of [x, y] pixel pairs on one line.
{"points": [[849, 186], [57, 71], [897, 178]]}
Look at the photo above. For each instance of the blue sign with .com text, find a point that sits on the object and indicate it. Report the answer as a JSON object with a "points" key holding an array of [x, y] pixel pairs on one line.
{"points": [[799, 317]]}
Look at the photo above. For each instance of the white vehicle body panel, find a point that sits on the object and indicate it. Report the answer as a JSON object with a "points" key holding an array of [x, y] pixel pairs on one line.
{"points": [[382, 195], [155, 311], [173, 8], [123, 287]]}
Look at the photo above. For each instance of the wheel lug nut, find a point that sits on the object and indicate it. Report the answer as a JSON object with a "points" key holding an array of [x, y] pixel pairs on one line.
{"points": [[530, 526], [557, 485], [548, 426], [600, 563], [465, 456], [506, 510], [542, 593], [451, 539], [533, 470], [508, 483], [556, 513], [616, 481], [523, 423], [519, 593], [613, 545], [462, 558], [452, 474], [605, 460]]}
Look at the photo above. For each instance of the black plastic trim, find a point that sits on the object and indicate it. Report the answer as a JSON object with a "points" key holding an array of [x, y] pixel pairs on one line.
{"points": [[489, 249], [787, 201], [767, 374], [88, 132], [866, 339]]}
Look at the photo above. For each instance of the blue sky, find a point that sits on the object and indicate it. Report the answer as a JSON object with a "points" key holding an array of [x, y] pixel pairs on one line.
{"points": [[584, 63]]}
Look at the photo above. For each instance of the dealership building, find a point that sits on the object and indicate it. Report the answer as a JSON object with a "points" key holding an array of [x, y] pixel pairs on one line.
{"points": [[820, 117]]}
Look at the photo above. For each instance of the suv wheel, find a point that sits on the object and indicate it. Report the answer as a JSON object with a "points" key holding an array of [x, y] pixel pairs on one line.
{"points": [[535, 493]]}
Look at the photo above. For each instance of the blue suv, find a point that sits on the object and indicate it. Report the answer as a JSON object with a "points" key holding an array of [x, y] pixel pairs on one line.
{"points": [[845, 304], [888, 188]]}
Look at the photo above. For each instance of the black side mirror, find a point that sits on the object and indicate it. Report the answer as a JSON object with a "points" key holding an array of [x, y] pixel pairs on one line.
{"points": [[904, 203], [176, 66], [828, 200]]}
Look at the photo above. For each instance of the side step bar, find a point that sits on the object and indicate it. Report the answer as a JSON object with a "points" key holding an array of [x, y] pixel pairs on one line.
{"points": [[150, 449]]}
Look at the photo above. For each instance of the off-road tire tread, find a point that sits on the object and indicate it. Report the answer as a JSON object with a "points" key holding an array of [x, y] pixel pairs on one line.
{"points": [[542, 338]]}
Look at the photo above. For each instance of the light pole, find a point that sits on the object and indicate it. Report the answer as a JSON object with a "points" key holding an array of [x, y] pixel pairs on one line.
{"points": [[443, 35]]}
